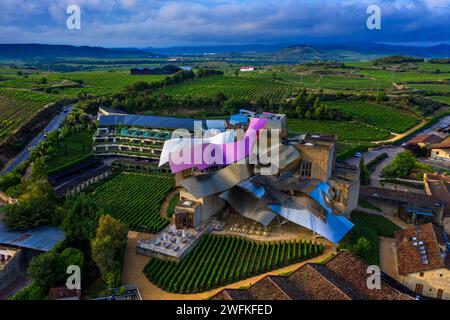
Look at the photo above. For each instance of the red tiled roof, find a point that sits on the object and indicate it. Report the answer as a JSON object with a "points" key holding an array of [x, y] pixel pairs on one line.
{"points": [[341, 278], [426, 138], [63, 292], [410, 257], [442, 145]]}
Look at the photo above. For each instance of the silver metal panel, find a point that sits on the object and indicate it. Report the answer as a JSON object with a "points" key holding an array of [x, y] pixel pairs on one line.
{"points": [[216, 182], [249, 206]]}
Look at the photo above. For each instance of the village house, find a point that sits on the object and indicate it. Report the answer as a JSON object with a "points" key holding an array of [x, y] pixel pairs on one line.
{"points": [[441, 151], [424, 140], [423, 261]]}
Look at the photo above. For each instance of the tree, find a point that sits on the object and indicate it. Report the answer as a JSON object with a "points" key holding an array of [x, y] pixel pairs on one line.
{"points": [[401, 166], [29, 213], [81, 220], [49, 269], [362, 246], [364, 173], [108, 226], [107, 249]]}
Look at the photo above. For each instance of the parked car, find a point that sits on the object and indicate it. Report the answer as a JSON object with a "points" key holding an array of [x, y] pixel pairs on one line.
{"points": [[358, 155]]}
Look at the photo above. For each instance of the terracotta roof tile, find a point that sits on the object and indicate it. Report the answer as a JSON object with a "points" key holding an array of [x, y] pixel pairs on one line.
{"points": [[341, 278], [410, 257]]}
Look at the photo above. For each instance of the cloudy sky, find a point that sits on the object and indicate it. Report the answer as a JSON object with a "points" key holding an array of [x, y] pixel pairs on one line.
{"points": [[156, 23]]}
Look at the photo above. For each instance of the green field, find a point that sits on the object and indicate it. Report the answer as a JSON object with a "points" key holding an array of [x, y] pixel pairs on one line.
{"points": [[377, 115], [353, 131], [93, 82], [371, 227], [135, 199], [431, 88], [220, 260], [75, 145], [17, 107], [443, 99], [234, 88]]}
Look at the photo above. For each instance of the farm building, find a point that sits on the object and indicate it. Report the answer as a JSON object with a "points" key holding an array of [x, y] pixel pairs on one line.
{"points": [[247, 68], [423, 260], [438, 187], [414, 208], [441, 151], [425, 140]]}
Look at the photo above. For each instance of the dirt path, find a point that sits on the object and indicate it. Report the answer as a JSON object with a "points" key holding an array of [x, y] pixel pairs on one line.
{"points": [[165, 204], [399, 136], [134, 265]]}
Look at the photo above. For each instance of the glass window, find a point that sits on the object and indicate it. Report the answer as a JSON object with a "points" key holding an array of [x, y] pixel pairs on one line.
{"points": [[305, 169]]}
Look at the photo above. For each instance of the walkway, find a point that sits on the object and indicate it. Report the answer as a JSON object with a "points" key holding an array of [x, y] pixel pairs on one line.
{"points": [[134, 265], [388, 258], [399, 136]]}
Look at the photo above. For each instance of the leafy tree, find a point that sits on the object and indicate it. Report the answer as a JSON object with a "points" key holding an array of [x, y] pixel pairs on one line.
{"points": [[364, 173], [108, 226], [362, 246], [31, 292], [30, 213], [81, 220], [401, 166], [49, 269], [107, 249]]}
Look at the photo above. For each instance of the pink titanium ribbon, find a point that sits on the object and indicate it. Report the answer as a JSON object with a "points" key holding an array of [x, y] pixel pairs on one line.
{"points": [[227, 153]]}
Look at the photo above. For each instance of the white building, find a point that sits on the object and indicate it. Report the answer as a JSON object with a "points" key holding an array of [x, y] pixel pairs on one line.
{"points": [[247, 68]]}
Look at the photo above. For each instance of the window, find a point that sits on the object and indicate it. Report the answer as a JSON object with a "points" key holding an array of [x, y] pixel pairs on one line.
{"points": [[305, 169], [421, 275], [419, 288], [437, 153], [440, 292]]}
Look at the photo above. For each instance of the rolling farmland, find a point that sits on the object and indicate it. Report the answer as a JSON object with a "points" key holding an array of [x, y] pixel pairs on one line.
{"points": [[377, 115], [92, 82], [220, 260], [234, 88], [135, 199], [443, 99], [19, 106], [353, 131]]}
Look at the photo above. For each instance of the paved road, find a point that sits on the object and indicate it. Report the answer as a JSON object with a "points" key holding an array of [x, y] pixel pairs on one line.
{"points": [[26, 152], [392, 151]]}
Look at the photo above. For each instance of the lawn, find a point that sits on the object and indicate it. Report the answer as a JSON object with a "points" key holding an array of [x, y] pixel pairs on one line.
{"points": [[371, 227]]}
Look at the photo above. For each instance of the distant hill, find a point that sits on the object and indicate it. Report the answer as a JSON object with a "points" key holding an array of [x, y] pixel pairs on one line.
{"points": [[200, 50], [27, 51], [442, 50], [300, 52], [310, 51]]}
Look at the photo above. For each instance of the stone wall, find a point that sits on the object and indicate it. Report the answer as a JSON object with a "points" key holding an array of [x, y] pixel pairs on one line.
{"points": [[10, 270]]}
